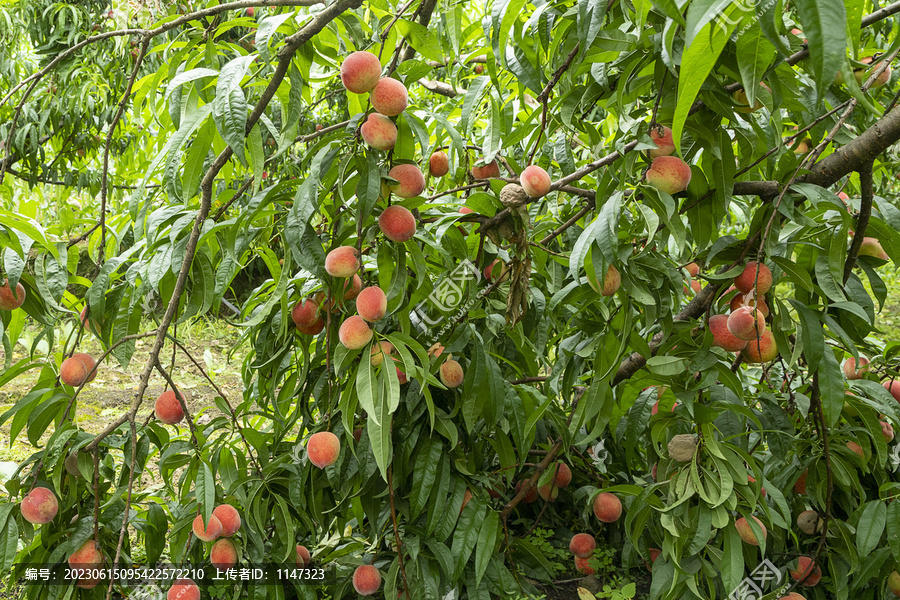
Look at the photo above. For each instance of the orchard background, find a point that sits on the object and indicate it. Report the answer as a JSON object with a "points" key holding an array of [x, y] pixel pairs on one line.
{"points": [[173, 177]]}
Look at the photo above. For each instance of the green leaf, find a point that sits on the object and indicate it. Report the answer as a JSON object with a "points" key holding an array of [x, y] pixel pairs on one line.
{"points": [[421, 38], [831, 387], [754, 54], [205, 491], [871, 525], [487, 541], [697, 62], [825, 26], [794, 272], [230, 105]]}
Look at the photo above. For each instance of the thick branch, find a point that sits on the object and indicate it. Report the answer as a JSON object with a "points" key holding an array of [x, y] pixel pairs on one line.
{"points": [[862, 221]]}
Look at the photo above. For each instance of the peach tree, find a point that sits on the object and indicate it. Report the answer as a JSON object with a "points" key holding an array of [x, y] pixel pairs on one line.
{"points": [[609, 269]]}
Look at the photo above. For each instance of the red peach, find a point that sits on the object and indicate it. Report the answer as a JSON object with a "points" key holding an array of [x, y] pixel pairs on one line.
{"points": [[872, 247], [563, 475], [669, 174], [323, 449], [39, 506], [303, 556], [397, 223], [887, 430], [850, 368], [352, 287], [856, 448], [748, 278], [488, 171], [451, 374], [607, 507], [439, 164], [612, 281], [722, 337], [229, 518], [410, 180], [800, 484], [582, 545], [665, 145], [305, 312], [389, 97], [342, 262], [807, 572], [314, 329], [740, 300], [366, 580], [168, 409], [184, 589], [530, 496], [223, 554], [379, 132], [355, 333], [762, 350], [212, 530], [360, 72], [10, 300], [379, 351], [535, 181], [371, 304], [893, 386], [746, 532], [746, 323], [583, 565]]}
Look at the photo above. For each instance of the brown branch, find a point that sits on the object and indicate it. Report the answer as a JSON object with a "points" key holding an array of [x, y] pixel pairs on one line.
{"points": [[125, 518], [531, 481], [439, 87], [862, 221], [397, 531]]}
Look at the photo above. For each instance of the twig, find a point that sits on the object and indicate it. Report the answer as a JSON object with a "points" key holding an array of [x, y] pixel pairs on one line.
{"points": [[397, 531], [862, 221]]}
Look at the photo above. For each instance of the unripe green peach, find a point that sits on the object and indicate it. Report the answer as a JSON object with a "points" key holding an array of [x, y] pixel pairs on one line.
{"points": [[535, 181], [342, 262], [371, 304], [872, 247], [379, 132], [410, 180], [389, 97], [212, 530], [355, 333], [808, 522], [439, 164], [360, 72], [323, 449], [894, 583], [397, 223], [669, 174]]}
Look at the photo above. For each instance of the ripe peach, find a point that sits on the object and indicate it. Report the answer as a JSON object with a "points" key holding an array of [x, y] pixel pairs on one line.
{"points": [[10, 300], [800, 484], [740, 300], [229, 518], [342, 262], [535, 181], [530, 496], [401, 376], [314, 329], [439, 164], [323, 449], [303, 556], [389, 96], [851, 371], [305, 312], [88, 556], [379, 351], [493, 272], [479, 69], [355, 333], [466, 497], [894, 583], [669, 174], [212, 531], [397, 223], [223, 554], [752, 479], [856, 448], [563, 475], [872, 247], [583, 565], [762, 350], [366, 580], [410, 180], [74, 371], [893, 386], [665, 145], [612, 281], [582, 545], [357, 434], [748, 278], [722, 337], [466, 210], [654, 554], [887, 430], [168, 408], [436, 350], [807, 572], [746, 323], [39, 506], [352, 287], [746, 533], [693, 269], [379, 132], [607, 507], [492, 169], [371, 304], [862, 75], [360, 72], [451, 374], [184, 589]]}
